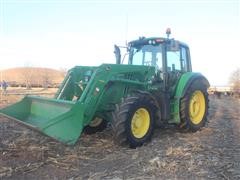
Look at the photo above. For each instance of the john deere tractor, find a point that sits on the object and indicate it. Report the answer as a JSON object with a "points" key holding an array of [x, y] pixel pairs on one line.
{"points": [[155, 87]]}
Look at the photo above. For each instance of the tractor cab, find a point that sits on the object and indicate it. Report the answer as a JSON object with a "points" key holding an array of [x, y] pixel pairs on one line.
{"points": [[166, 55], [170, 57], [163, 53]]}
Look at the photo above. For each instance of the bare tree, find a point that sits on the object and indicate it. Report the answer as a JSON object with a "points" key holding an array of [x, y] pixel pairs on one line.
{"points": [[235, 81], [46, 78], [28, 75]]}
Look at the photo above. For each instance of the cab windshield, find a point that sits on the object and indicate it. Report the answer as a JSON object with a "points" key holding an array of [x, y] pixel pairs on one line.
{"points": [[148, 55]]}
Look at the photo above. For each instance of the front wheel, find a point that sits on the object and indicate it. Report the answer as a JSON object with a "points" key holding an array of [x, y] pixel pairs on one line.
{"points": [[194, 107], [96, 125], [133, 120]]}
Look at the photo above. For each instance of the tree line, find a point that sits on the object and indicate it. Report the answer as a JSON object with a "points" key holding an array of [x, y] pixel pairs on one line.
{"points": [[36, 77]]}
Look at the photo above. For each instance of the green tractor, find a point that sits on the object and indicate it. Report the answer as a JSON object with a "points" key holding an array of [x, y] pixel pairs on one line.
{"points": [[156, 87]]}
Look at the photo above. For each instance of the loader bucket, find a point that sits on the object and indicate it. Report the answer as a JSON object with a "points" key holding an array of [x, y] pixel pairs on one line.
{"points": [[59, 119]]}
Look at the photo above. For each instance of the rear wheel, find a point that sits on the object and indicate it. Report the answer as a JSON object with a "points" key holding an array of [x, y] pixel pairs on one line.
{"points": [[96, 125], [133, 120], [194, 107]]}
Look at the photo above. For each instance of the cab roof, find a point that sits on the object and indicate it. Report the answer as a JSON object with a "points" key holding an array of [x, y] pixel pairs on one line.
{"points": [[152, 41]]}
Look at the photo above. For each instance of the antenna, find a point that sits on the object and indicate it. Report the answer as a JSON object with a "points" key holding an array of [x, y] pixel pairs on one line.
{"points": [[126, 29]]}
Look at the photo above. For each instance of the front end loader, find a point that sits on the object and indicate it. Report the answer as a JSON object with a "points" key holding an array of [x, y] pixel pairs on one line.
{"points": [[156, 87]]}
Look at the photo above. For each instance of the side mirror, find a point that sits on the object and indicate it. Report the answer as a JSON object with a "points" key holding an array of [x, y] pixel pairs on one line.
{"points": [[117, 53]]}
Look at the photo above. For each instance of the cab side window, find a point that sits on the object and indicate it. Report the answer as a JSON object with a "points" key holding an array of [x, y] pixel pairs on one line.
{"points": [[159, 61], [184, 59], [173, 61], [177, 60]]}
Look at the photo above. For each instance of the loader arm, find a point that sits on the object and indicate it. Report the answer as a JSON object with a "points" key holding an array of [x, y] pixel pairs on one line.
{"points": [[99, 92]]}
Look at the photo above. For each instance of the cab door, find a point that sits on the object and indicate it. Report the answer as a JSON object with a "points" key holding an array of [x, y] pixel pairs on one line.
{"points": [[177, 62]]}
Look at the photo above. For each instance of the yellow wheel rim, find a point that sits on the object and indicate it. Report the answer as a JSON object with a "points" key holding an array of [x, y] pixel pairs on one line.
{"points": [[197, 107], [140, 123], [96, 122]]}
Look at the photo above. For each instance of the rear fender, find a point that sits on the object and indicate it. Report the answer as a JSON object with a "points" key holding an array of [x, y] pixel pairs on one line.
{"points": [[183, 84]]}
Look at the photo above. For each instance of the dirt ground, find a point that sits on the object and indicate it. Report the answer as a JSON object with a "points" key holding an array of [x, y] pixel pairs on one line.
{"points": [[212, 153]]}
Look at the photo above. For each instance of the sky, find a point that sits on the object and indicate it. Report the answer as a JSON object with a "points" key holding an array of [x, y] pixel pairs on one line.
{"points": [[65, 33]]}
